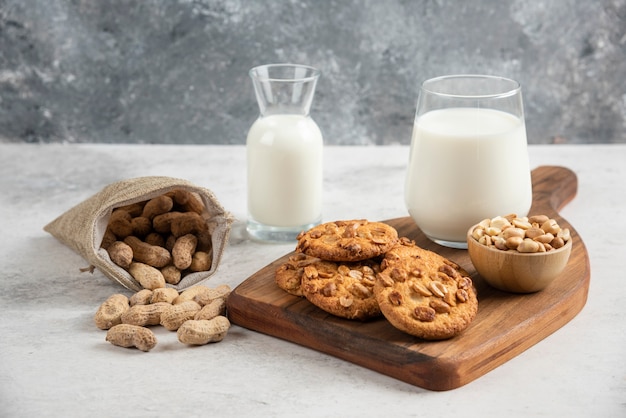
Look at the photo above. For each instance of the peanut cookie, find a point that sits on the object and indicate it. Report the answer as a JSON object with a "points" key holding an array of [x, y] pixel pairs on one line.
{"points": [[342, 289], [289, 274], [425, 294], [353, 240]]}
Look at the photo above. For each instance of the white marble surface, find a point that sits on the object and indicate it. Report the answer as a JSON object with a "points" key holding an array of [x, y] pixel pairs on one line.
{"points": [[55, 362]]}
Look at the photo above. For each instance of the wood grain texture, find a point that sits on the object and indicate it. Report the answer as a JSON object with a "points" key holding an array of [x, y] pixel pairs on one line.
{"points": [[506, 324]]}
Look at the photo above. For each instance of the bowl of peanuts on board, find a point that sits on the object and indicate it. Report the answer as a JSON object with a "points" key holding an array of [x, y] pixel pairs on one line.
{"points": [[519, 254]]}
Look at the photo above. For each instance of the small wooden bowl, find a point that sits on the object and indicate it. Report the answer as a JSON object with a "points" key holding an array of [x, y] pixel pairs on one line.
{"points": [[517, 272]]}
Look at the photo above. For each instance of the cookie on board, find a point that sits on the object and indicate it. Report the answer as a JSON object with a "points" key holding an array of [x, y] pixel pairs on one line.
{"points": [[342, 289], [352, 240], [288, 275], [425, 294]]}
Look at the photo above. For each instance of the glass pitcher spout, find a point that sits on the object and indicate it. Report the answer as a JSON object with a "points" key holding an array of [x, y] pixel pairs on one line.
{"points": [[285, 89]]}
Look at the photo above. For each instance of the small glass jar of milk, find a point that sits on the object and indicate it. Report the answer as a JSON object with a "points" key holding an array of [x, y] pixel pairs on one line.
{"points": [[284, 154], [468, 159]]}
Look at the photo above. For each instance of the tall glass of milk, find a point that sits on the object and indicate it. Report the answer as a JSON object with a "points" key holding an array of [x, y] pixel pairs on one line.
{"points": [[284, 154], [468, 158]]}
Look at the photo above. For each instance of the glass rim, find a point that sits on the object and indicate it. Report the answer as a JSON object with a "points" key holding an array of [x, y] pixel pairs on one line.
{"points": [[515, 86], [312, 72]]}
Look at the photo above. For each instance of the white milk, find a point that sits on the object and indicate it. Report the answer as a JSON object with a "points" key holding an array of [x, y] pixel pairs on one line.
{"points": [[284, 156], [465, 165]]}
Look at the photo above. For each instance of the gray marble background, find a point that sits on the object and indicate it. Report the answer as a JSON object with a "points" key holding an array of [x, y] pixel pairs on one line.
{"points": [[175, 71]]}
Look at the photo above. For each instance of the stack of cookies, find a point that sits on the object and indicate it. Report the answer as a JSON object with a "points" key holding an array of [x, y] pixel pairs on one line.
{"points": [[361, 270]]}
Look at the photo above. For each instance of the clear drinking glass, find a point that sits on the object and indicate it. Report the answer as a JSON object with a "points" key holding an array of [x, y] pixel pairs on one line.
{"points": [[284, 154], [468, 158]]}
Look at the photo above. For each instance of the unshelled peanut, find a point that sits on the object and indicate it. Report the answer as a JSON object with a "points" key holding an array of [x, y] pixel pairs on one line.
{"points": [[164, 294], [120, 223], [151, 255], [141, 226], [121, 254], [145, 315], [204, 331], [110, 312], [147, 276], [191, 293], [209, 294], [205, 242], [183, 251], [154, 238], [188, 223], [126, 335], [187, 201], [133, 209], [157, 206], [141, 297], [209, 311], [175, 315], [201, 261], [171, 274], [163, 223]]}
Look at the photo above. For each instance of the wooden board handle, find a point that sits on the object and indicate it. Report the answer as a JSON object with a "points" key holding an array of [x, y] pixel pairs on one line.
{"points": [[552, 186]]}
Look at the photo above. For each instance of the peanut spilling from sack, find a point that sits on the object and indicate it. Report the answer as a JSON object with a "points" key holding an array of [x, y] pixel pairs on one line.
{"points": [[533, 234], [160, 240], [197, 314]]}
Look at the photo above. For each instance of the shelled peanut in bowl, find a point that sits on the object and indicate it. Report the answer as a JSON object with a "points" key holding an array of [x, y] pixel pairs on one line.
{"points": [[519, 254]]}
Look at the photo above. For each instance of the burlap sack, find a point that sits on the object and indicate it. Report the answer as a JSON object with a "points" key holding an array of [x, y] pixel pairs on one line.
{"points": [[82, 227]]}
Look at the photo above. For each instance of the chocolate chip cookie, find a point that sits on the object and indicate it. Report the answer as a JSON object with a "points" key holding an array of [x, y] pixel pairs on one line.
{"points": [[425, 294], [343, 241], [342, 289]]}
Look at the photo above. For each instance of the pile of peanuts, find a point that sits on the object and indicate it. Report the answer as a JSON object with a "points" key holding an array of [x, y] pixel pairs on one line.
{"points": [[161, 240], [198, 315], [533, 234]]}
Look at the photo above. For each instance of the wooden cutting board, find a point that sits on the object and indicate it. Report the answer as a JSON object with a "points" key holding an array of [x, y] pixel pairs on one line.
{"points": [[506, 324]]}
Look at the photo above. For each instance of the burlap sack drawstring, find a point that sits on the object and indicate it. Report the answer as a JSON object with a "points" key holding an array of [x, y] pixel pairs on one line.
{"points": [[82, 227]]}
